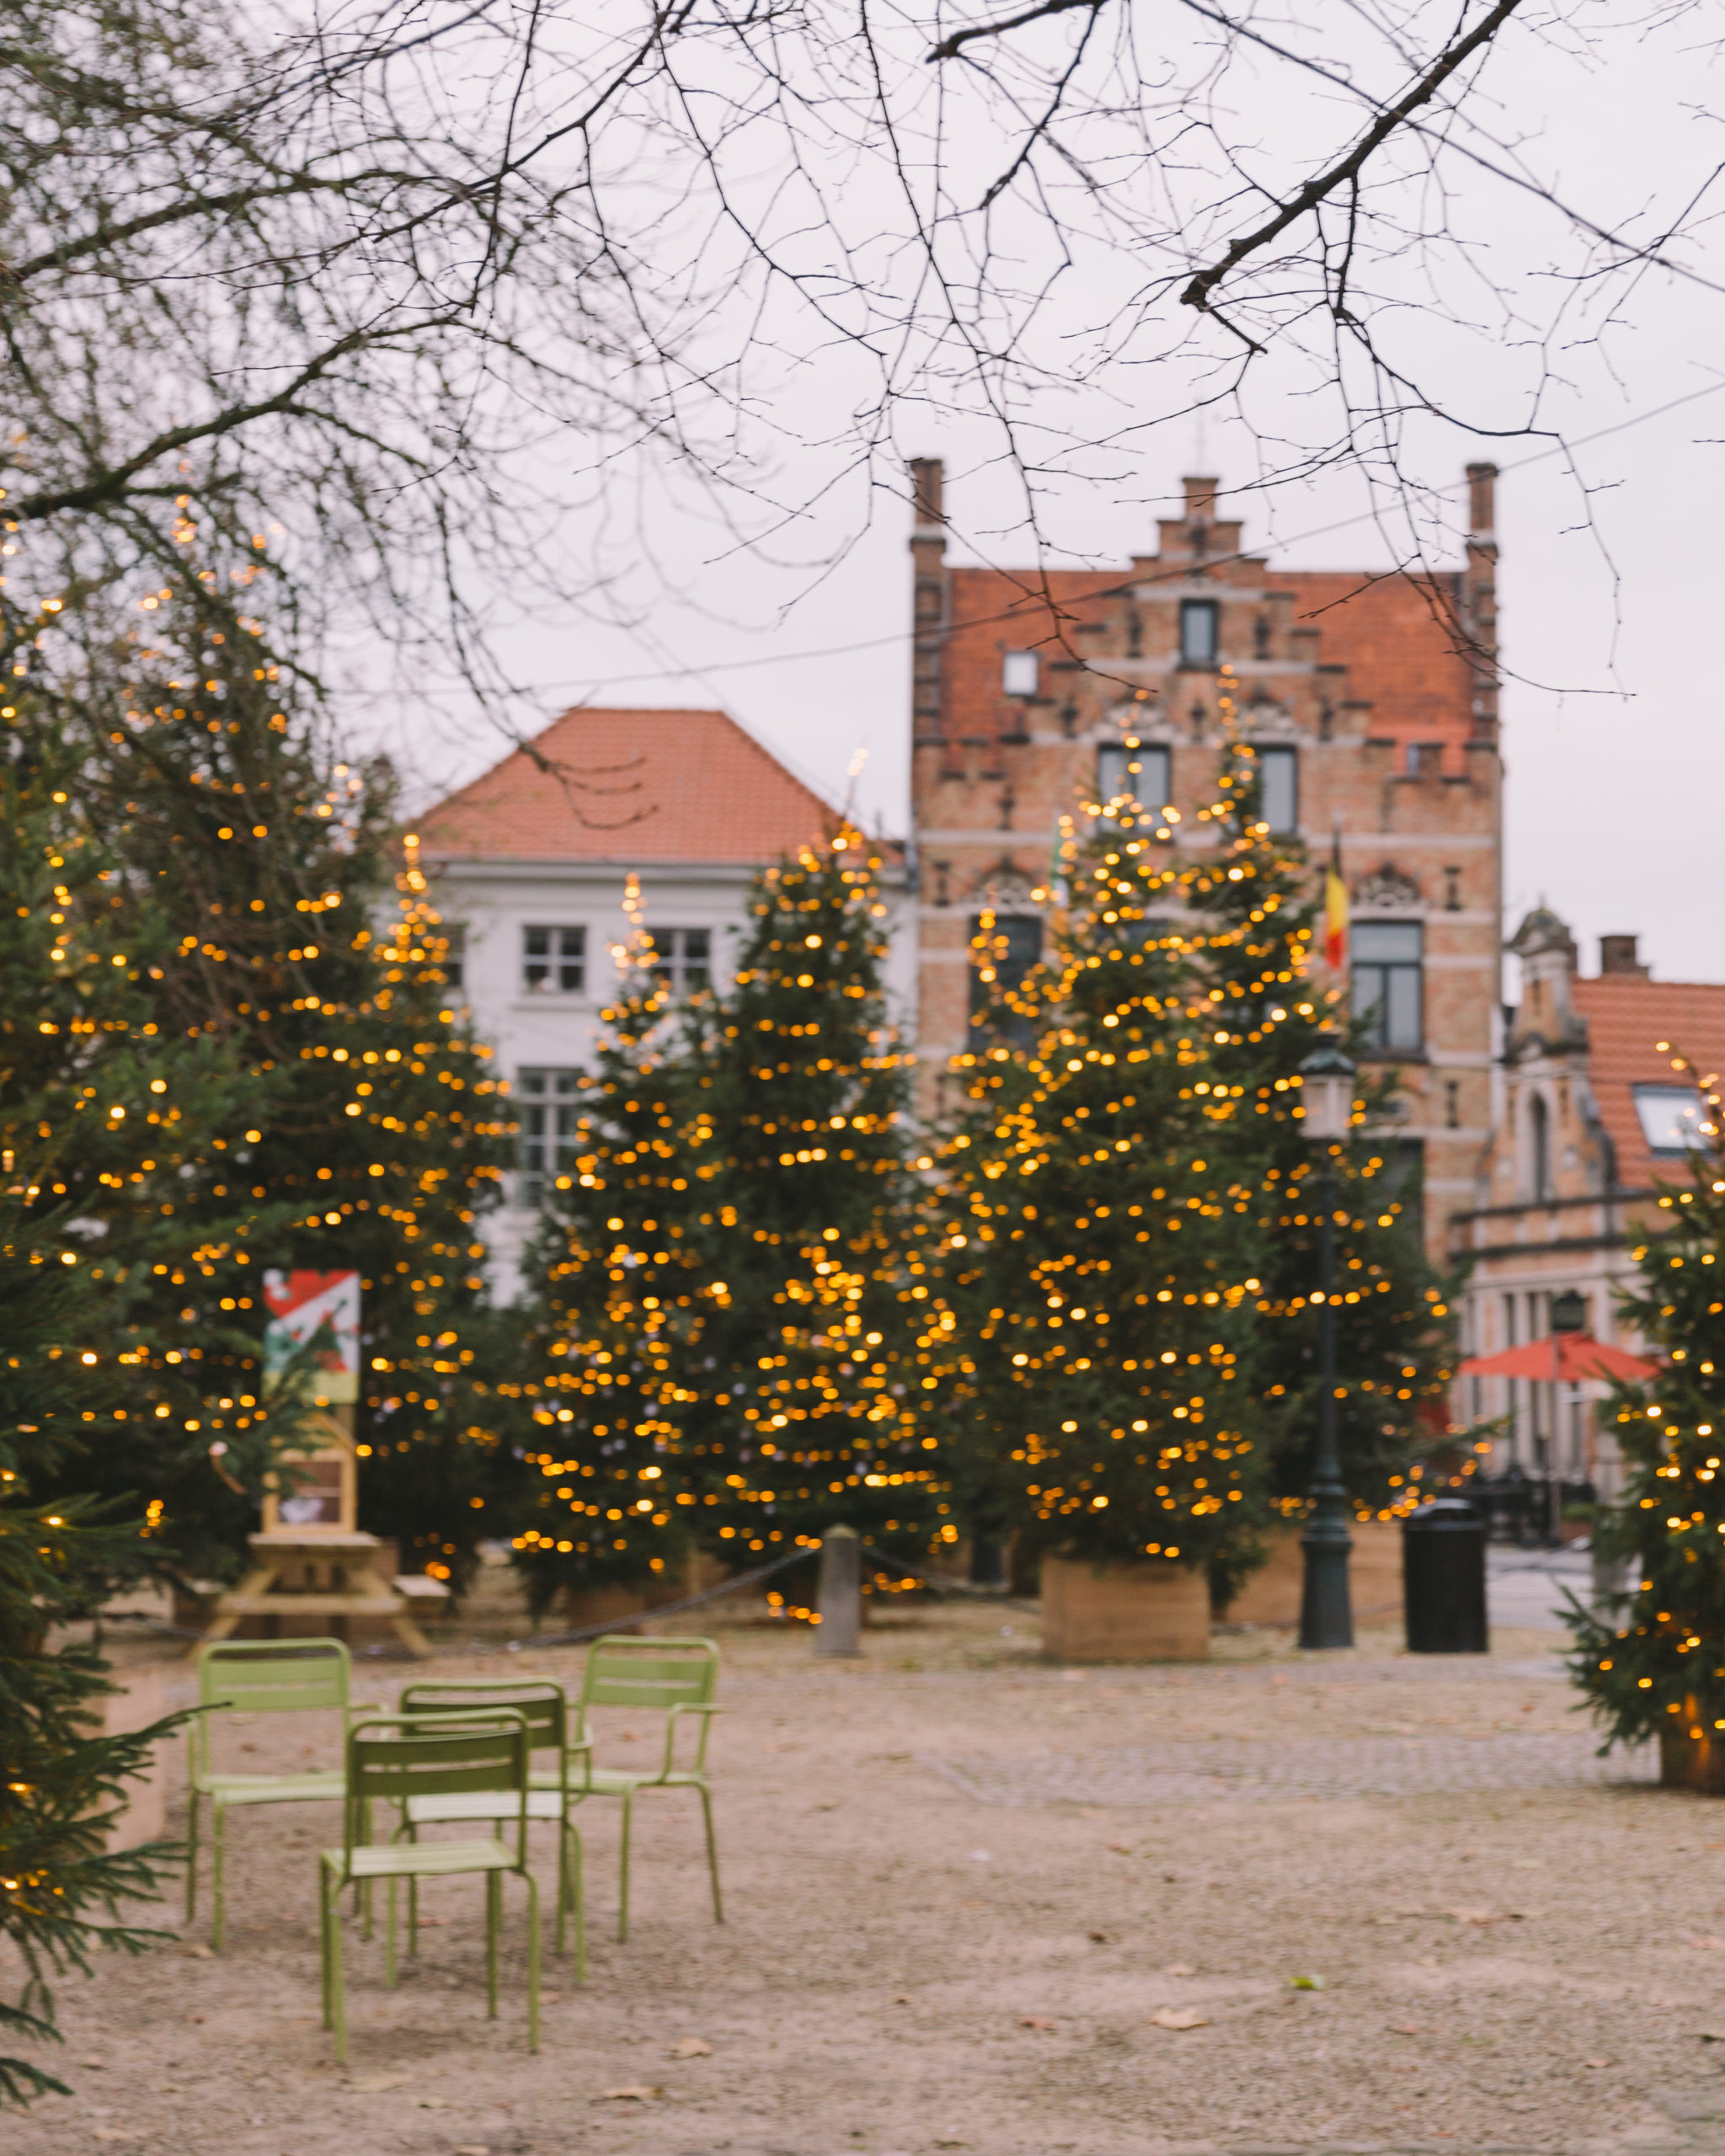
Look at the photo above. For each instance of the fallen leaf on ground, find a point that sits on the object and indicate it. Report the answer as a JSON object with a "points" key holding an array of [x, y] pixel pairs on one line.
{"points": [[199, 1953], [1178, 1969], [691, 2048], [1712, 2035], [434, 2103], [1100, 1937], [1034, 2022], [637, 2094], [901, 1999], [374, 2084], [1596, 2062], [1306, 1984], [1178, 2017]]}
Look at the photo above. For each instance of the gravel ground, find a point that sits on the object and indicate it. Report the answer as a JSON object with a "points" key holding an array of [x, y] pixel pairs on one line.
{"points": [[962, 1886]]}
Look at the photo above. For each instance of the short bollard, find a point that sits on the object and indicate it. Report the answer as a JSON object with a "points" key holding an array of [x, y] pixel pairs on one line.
{"points": [[840, 1628]]}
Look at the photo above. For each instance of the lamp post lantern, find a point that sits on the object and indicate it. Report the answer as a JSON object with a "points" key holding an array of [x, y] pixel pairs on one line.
{"points": [[1325, 1612]]}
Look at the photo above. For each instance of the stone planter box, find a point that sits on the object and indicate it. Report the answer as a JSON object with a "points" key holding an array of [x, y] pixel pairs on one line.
{"points": [[1123, 1612], [1689, 1762], [1272, 1594]]}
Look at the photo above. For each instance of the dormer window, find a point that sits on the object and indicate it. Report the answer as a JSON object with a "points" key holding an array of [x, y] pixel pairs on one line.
{"points": [[1670, 1118], [1021, 674]]}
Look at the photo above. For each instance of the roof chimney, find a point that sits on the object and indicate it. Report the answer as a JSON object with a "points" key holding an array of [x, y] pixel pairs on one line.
{"points": [[1618, 955], [1200, 500], [1482, 500], [927, 489]]}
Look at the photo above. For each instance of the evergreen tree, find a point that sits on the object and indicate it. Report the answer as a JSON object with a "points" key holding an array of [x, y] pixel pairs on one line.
{"points": [[617, 1314], [60, 1885], [108, 1115], [385, 1136], [743, 1204], [1651, 1666], [1251, 902], [1102, 1374], [361, 1128]]}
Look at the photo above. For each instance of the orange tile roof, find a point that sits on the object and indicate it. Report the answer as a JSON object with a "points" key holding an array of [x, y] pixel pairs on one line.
{"points": [[631, 788], [1626, 1018], [1392, 634]]}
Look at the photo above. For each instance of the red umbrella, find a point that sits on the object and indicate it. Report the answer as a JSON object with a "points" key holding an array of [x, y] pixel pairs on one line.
{"points": [[1561, 1358]]}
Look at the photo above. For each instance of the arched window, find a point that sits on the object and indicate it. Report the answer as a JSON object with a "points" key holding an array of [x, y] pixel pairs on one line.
{"points": [[1539, 1124]]}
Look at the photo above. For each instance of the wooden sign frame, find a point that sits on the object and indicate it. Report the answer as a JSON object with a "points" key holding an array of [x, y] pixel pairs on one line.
{"points": [[327, 1498]]}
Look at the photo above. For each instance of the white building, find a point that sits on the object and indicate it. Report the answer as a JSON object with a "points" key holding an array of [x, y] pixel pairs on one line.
{"points": [[607, 823]]}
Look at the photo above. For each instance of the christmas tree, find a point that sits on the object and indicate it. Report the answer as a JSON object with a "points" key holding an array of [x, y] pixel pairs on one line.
{"points": [[363, 1130], [1251, 904], [60, 1885], [831, 1326], [1102, 1376], [739, 1207], [1652, 1667], [617, 1313]]}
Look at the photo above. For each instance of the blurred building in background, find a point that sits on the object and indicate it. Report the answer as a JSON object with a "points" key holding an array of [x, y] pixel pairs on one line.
{"points": [[1371, 701], [1593, 1117], [608, 825]]}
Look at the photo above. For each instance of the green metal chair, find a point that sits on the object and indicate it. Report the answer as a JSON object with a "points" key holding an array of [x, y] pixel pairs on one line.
{"points": [[542, 1704], [257, 1677], [407, 1759], [678, 1677]]}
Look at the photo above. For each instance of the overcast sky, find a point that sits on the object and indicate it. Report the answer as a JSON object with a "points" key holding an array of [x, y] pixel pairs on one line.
{"points": [[1610, 542]]}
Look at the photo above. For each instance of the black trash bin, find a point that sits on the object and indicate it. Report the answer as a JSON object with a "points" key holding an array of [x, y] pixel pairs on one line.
{"points": [[1444, 1578]]}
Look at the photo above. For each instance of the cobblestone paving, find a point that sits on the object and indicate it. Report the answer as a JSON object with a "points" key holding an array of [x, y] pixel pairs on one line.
{"points": [[1243, 1772]]}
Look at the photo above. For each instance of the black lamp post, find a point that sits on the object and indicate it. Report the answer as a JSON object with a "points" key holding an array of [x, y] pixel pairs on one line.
{"points": [[1569, 1315], [1326, 1614]]}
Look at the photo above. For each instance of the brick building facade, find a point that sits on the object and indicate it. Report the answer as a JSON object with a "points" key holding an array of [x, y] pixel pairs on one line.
{"points": [[1372, 702]]}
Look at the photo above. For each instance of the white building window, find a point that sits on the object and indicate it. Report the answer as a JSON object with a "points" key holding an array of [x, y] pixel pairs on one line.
{"points": [[1021, 674], [545, 1116], [554, 961], [682, 959]]}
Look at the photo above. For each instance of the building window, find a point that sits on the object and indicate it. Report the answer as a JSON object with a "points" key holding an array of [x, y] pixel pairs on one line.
{"points": [[1389, 989], [554, 961], [1539, 1146], [455, 957], [682, 959], [1198, 632], [545, 1117], [1021, 673], [1671, 1118], [1140, 775], [1014, 946], [1278, 788]]}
